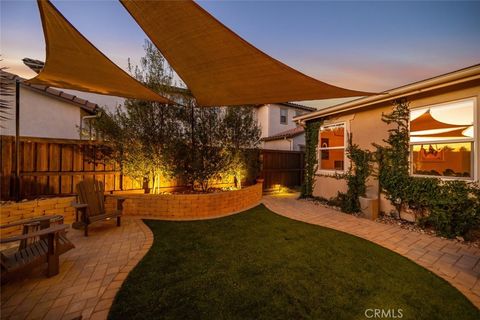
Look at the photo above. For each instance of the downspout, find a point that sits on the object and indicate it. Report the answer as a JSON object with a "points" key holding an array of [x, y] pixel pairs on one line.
{"points": [[291, 142]]}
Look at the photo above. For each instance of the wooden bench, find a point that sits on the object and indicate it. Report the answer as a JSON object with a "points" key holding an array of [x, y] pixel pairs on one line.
{"points": [[43, 240], [90, 207]]}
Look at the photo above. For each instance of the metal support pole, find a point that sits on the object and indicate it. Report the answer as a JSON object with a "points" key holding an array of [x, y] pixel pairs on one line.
{"points": [[17, 141], [193, 126]]}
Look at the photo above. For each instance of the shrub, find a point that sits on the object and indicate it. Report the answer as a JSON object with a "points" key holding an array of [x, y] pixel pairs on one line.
{"points": [[454, 206]]}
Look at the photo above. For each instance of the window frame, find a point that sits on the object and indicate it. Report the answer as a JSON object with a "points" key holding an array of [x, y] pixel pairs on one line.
{"points": [[473, 141], [319, 148], [286, 116]]}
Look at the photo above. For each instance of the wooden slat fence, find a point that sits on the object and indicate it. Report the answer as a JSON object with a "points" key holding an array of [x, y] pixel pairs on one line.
{"points": [[282, 168], [55, 166], [51, 167]]}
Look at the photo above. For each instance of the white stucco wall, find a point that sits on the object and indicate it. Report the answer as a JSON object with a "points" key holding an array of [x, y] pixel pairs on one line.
{"points": [[262, 114], [283, 144], [43, 116], [268, 117], [299, 141], [292, 144], [274, 125]]}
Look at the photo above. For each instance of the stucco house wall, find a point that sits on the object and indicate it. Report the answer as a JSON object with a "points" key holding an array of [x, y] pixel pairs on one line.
{"points": [[367, 128], [263, 119], [44, 116], [274, 119], [283, 144], [290, 144], [268, 117], [299, 142]]}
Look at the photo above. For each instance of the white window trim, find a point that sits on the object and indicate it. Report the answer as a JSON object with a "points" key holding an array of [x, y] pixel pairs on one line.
{"points": [[476, 137], [332, 172]]}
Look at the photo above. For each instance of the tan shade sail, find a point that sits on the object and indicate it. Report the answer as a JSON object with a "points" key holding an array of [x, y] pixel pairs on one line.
{"points": [[218, 66], [74, 63], [427, 122], [457, 133]]}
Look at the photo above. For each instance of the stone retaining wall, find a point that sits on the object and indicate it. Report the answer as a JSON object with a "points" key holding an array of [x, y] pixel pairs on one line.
{"points": [[192, 206], [188, 206], [12, 212]]}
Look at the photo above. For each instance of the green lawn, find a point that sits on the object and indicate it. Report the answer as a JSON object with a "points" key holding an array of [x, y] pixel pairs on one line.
{"points": [[258, 265]]}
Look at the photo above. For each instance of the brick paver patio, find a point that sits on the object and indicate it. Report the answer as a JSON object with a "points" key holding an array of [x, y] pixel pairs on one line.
{"points": [[457, 263], [90, 275]]}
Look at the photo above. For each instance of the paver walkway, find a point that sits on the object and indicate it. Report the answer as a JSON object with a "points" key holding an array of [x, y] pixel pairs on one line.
{"points": [[90, 275], [457, 263]]}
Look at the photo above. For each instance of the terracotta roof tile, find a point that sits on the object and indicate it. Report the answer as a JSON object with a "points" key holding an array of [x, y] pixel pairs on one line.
{"points": [[80, 100], [67, 96], [298, 106], [82, 103]]}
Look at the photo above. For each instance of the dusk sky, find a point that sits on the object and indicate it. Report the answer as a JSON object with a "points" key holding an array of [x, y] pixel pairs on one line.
{"points": [[370, 46]]}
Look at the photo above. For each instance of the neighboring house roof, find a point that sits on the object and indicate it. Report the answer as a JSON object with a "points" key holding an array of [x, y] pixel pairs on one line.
{"points": [[455, 77], [297, 106], [285, 134], [291, 105], [35, 65], [86, 105]]}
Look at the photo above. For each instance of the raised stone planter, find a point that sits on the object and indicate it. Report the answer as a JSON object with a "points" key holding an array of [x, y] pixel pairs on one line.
{"points": [[172, 207], [12, 212], [192, 206]]}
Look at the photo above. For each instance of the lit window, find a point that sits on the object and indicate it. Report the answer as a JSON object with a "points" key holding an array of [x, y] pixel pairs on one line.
{"points": [[283, 116], [332, 147], [442, 140]]}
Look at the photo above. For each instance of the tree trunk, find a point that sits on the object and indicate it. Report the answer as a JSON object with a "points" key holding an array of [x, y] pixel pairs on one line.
{"points": [[146, 189]]}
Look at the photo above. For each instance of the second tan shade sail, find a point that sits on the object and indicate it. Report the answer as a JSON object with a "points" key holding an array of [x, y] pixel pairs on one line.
{"points": [[218, 66], [427, 122], [74, 63]]}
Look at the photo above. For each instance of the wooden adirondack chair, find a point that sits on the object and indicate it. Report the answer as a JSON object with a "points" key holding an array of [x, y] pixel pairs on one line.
{"points": [[43, 240], [91, 204]]}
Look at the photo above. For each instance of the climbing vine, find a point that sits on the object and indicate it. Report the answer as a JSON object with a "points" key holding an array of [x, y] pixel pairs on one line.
{"points": [[357, 175], [393, 157], [312, 129], [451, 207]]}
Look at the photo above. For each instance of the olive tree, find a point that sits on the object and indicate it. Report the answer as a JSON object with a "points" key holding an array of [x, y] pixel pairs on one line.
{"points": [[197, 145]]}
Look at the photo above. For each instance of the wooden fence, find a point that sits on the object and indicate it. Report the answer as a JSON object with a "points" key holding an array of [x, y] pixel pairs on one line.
{"points": [[55, 166], [50, 167], [282, 168]]}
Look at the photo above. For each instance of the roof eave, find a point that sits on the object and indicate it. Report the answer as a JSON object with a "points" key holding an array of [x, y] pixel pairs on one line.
{"points": [[85, 107], [283, 137], [452, 78]]}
